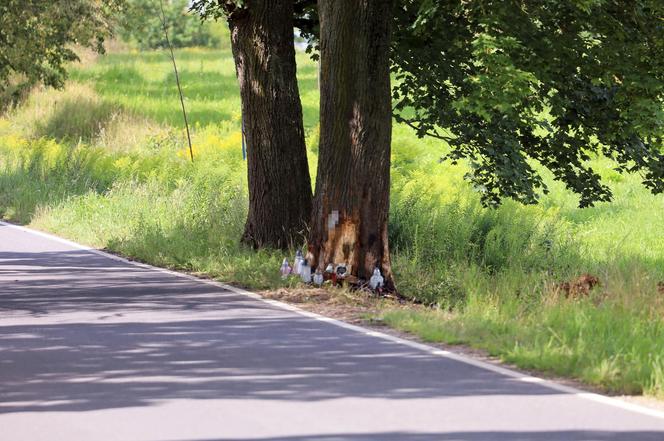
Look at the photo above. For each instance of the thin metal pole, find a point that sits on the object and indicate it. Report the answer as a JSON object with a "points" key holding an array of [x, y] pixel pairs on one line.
{"points": [[177, 77]]}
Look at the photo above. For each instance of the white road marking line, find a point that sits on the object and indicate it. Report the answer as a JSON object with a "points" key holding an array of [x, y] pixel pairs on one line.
{"points": [[419, 346]]}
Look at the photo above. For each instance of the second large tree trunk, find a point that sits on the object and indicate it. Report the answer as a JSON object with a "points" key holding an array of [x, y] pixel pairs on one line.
{"points": [[278, 173], [351, 203]]}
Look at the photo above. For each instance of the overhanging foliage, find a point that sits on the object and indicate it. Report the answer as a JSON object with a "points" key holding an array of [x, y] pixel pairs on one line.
{"points": [[509, 82]]}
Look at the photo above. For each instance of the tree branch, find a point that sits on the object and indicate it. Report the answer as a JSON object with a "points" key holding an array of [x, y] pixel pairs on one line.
{"points": [[427, 132]]}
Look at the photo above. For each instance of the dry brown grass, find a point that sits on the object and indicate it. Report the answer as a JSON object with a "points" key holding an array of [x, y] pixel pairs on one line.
{"points": [[348, 305]]}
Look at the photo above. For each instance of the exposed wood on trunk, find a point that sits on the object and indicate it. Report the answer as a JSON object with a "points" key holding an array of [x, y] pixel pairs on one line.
{"points": [[278, 173], [353, 180]]}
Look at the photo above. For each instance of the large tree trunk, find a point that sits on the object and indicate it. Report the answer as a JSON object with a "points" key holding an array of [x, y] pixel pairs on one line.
{"points": [[355, 135], [278, 173]]}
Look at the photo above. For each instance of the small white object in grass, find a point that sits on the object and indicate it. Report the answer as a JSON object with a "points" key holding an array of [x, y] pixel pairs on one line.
{"points": [[376, 280], [305, 272], [297, 264], [285, 269], [318, 278]]}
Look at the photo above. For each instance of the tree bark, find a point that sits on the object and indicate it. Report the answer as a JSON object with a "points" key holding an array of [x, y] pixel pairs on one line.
{"points": [[278, 172], [353, 181]]}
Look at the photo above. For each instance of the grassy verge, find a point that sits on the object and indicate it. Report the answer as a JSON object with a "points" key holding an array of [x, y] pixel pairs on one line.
{"points": [[104, 162], [599, 344]]}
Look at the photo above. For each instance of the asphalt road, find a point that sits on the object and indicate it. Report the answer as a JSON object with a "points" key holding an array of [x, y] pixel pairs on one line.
{"points": [[94, 348]]}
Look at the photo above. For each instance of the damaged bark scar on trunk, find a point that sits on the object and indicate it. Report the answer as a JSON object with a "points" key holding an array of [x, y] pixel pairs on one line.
{"points": [[355, 136]]}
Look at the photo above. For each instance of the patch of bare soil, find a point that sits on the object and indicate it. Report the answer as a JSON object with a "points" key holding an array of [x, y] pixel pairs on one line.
{"points": [[354, 307]]}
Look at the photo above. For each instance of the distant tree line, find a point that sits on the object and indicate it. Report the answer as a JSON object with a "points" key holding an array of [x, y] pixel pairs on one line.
{"points": [[37, 39], [141, 24]]}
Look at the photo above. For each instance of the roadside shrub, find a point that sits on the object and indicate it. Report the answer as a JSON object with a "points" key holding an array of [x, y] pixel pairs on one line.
{"points": [[438, 227]]}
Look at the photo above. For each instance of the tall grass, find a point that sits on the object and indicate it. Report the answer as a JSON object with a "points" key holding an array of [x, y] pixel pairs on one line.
{"points": [[103, 162]]}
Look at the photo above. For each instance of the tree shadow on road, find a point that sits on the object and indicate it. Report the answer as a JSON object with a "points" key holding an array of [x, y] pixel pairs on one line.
{"points": [[82, 332], [115, 335]]}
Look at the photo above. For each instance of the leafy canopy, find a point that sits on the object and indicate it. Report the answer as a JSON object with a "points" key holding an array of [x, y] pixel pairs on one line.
{"points": [[512, 83], [37, 36], [509, 84]]}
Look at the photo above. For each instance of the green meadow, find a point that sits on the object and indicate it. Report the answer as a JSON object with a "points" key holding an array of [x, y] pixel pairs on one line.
{"points": [[105, 162]]}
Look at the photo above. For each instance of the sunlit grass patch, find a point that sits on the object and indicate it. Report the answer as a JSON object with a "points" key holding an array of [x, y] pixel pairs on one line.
{"points": [[605, 346], [77, 114]]}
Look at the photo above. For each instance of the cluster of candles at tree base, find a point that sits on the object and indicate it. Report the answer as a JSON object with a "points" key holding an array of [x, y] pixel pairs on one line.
{"points": [[336, 274]]}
